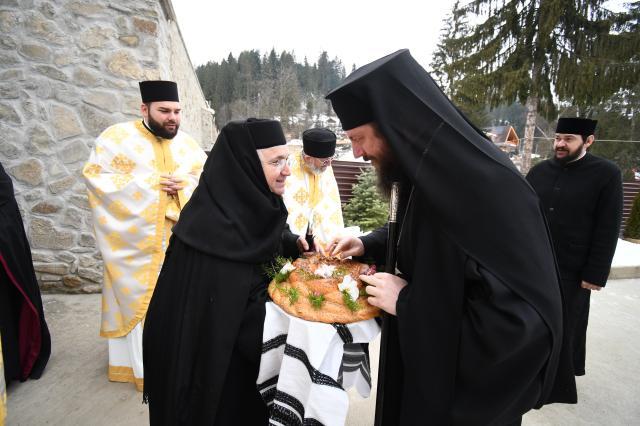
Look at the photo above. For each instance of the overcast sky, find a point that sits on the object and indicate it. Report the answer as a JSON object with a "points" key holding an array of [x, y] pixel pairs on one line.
{"points": [[355, 31]]}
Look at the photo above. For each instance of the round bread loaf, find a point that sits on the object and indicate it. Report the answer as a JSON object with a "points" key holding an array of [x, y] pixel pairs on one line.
{"points": [[312, 291]]}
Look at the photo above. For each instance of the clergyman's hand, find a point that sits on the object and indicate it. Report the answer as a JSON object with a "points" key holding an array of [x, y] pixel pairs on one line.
{"points": [[319, 247], [303, 245], [590, 286], [383, 290], [170, 184], [345, 247]]}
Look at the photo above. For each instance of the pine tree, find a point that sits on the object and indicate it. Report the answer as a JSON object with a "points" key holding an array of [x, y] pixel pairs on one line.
{"points": [[268, 85], [366, 209], [455, 26], [616, 121], [533, 50], [632, 228], [444, 56]]}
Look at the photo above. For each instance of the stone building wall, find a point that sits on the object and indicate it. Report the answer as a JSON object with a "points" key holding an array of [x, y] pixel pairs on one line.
{"points": [[69, 69]]}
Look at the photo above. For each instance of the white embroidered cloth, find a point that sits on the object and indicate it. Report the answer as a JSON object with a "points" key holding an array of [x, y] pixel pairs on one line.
{"points": [[306, 368]]}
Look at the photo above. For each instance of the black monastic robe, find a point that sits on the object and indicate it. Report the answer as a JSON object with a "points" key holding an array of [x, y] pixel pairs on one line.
{"points": [[479, 325], [203, 331], [26, 343], [583, 204]]}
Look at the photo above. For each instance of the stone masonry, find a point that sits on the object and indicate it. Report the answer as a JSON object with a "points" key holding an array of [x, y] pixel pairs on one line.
{"points": [[68, 70]]}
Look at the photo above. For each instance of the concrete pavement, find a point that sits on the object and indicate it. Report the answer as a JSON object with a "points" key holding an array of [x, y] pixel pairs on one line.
{"points": [[74, 389]]}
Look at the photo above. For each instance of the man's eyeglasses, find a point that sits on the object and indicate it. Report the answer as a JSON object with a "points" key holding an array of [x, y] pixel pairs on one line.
{"points": [[280, 163], [326, 161], [323, 161]]}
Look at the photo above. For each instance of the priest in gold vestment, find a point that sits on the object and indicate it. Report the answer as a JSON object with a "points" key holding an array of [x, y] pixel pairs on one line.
{"points": [[311, 194], [139, 177]]}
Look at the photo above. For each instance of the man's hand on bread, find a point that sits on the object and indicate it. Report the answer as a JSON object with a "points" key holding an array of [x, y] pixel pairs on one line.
{"points": [[383, 290], [303, 246], [344, 247]]}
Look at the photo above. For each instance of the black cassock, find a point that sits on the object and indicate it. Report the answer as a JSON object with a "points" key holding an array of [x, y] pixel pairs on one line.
{"points": [[583, 203], [26, 344], [479, 325], [203, 331]]}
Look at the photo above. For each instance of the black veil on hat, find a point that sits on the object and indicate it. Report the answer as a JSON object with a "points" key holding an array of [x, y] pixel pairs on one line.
{"points": [[319, 142], [576, 126], [478, 197], [158, 91], [233, 214]]}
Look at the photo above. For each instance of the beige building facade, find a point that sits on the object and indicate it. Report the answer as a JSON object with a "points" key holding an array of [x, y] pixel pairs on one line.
{"points": [[68, 70]]}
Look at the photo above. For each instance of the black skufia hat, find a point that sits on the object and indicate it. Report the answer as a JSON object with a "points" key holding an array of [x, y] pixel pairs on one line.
{"points": [[319, 142], [351, 110], [158, 91], [265, 133], [576, 126]]}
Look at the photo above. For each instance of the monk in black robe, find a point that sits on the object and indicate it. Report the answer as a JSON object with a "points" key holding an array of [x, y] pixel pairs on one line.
{"points": [[203, 331], [26, 343], [582, 198], [477, 307]]}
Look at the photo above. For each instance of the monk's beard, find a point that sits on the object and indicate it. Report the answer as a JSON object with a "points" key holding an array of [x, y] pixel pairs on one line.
{"points": [[159, 130], [313, 169], [569, 157], [388, 172]]}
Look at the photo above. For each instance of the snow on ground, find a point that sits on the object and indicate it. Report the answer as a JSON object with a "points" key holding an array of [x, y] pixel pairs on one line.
{"points": [[627, 254]]}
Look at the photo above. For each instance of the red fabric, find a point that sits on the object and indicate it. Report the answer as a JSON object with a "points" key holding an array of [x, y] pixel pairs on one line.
{"points": [[29, 336]]}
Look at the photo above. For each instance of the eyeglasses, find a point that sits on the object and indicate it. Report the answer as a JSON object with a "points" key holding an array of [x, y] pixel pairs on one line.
{"points": [[326, 161], [280, 163], [323, 161]]}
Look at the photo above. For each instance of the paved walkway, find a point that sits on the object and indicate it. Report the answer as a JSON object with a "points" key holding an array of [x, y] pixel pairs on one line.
{"points": [[74, 389]]}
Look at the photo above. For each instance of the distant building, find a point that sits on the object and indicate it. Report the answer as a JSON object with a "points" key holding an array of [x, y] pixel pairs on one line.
{"points": [[504, 137]]}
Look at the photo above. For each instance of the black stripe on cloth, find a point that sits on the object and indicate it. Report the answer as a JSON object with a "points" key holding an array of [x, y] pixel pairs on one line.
{"points": [[316, 377], [354, 366], [354, 358], [268, 395], [290, 416], [343, 332], [269, 382], [274, 343], [355, 354], [363, 372], [284, 416], [291, 401]]}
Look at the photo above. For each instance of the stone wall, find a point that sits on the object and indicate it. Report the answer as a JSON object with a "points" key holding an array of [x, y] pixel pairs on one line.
{"points": [[69, 69]]}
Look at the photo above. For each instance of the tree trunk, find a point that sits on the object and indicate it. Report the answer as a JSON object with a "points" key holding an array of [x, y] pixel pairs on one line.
{"points": [[529, 130]]}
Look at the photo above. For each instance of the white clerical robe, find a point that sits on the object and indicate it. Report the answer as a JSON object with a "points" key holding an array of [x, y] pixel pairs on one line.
{"points": [[132, 220], [313, 201]]}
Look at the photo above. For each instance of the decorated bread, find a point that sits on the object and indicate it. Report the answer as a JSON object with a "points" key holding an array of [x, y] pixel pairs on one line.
{"points": [[322, 289]]}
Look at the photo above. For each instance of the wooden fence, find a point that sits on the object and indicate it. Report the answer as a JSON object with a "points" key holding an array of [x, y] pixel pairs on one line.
{"points": [[631, 190], [346, 173]]}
